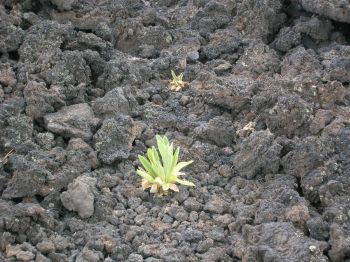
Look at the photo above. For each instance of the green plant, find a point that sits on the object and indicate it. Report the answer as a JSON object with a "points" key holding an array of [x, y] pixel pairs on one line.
{"points": [[162, 173], [177, 83]]}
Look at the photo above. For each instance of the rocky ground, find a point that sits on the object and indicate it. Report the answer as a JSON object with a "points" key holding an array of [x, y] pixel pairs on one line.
{"points": [[265, 117]]}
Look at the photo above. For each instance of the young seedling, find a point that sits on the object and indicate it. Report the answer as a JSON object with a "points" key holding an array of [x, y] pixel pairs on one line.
{"points": [[176, 84], [161, 173]]}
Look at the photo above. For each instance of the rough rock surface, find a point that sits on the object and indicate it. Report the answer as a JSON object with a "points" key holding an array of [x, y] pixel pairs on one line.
{"points": [[80, 197], [337, 10], [264, 114], [72, 121]]}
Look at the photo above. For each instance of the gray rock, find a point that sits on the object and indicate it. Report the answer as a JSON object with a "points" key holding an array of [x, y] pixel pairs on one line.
{"points": [[114, 139], [277, 242], [88, 18], [339, 242], [318, 229], [215, 254], [147, 51], [214, 15], [258, 154], [121, 71], [63, 5], [219, 130], [192, 56], [46, 140], [204, 245], [16, 132], [290, 116], [171, 254], [89, 256], [41, 258], [25, 256], [23, 252], [46, 247], [217, 234], [216, 205], [11, 35], [27, 180], [57, 257], [222, 68], [259, 19], [88, 41], [221, 42], [40, 100], [192, 235], [191, 204], [7, 75], [308, 155], [95, 62], [232, 94], [2, 94], [112, 104], [337, 10], [45, 37], [104, 31], [336, 62], [152, 259], [68, 68], [256, 60], [181, 215], [72, 121], [301, 63], [80, 197], [130, 41], [321, 119], [286, 39], [135, 258], [317, 28]]}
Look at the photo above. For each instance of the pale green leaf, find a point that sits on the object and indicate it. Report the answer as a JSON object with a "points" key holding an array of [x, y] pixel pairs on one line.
{"points": [[180, 77], [145, 175], [165, 186], [184, 182], [175, 158], [173, 74], [148, 166], [166, 152], [181, 165], [159, 181], [152, 155]]}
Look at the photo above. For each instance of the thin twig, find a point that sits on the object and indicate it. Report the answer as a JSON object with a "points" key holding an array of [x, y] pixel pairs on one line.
{"points": [[4, 159]]}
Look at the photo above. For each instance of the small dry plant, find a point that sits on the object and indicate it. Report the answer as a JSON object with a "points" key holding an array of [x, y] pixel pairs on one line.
{"points": [[176, 84]]}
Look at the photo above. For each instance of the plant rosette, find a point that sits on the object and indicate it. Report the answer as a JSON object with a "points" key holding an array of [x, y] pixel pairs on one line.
{"points": [[161, 172]]}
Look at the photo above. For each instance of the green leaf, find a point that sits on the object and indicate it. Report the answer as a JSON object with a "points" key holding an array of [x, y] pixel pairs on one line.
{"points": [[180, 77], [184, 182], [148, 166], [175, 159], [160, 170], [159, 181], [173, 75], [145, 175], [166, 152], [181, 165], [166, 186], [152, 155]]}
